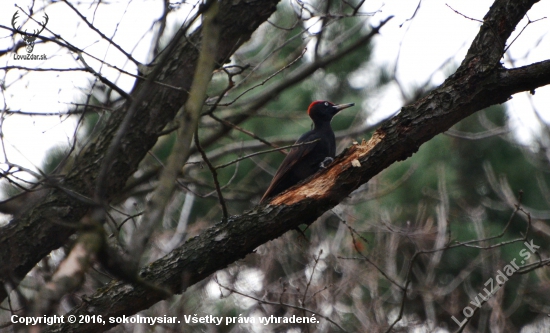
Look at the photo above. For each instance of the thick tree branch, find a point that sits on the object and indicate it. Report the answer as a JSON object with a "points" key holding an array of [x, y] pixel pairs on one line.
{"points": [[478, 83], [526, 78]]}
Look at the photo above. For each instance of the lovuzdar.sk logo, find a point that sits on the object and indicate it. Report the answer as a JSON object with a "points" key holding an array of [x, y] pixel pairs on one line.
{"points": [[29, 38]]}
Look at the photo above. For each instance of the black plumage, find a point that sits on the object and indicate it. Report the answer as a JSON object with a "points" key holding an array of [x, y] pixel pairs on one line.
{"points": [[305, 160]]}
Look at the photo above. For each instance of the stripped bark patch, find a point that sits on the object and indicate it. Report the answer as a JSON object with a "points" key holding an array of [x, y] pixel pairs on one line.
{"points": [[324, 181]]}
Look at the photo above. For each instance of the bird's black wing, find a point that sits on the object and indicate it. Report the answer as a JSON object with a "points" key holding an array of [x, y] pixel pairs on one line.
{"points": [[296, 154]]}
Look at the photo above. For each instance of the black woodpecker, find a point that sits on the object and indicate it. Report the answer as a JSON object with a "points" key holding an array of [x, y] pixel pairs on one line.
{"points": [[305, 160]]}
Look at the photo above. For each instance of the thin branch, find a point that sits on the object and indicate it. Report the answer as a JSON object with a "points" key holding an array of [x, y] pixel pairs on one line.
{"points": [[109, 40], [103, 79], [214, 175], [48, 114], [316, 261], [356, 9], [354, 232], [319, 35], [38, 69], [262, 301], [526, 25], [478, 136], [404, 290], [242, 130], [459, 13], [266, 80], [264, 152]]}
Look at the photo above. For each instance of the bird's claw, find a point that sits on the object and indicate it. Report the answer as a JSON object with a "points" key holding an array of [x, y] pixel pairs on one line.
{"points": [[326, 162]]}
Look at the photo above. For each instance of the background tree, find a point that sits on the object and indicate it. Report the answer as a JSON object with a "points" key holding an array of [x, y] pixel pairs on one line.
{"points": [[148, 207]]}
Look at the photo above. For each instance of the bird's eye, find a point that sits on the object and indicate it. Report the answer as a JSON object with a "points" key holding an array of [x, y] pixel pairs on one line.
{"points": [[326, 104]]}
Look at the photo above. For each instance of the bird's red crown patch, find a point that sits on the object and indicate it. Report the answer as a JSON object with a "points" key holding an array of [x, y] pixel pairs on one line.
{"points": [[316, 102]]}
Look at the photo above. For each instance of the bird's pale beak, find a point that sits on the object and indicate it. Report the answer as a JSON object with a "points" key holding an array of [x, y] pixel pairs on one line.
{"points": [[341, 107]]}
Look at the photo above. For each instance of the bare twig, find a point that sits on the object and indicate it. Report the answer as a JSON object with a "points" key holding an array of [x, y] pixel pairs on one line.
{"points": [[264, 152], [109, 40], [242, 130], [478, 136], [103, 79], [459, 13], [214, 175], [316, 261], [266, 80], [519, 34], [262, 301]]}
